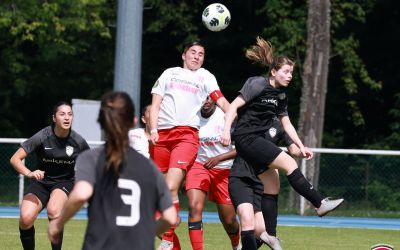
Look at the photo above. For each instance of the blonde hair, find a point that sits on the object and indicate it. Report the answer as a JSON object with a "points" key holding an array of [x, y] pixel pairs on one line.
{"points": [[263, 54]]}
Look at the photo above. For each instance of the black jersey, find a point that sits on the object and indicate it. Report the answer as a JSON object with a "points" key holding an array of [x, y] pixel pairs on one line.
{"points": [[55, 155], [276, 134], [263, 104], [121, 210]]}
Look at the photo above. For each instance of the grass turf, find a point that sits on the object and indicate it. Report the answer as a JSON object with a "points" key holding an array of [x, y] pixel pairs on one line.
{"points": [[298, 238]]}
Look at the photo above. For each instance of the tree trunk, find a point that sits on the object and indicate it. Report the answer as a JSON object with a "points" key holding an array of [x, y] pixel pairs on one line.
{"points": [[315, 77]]}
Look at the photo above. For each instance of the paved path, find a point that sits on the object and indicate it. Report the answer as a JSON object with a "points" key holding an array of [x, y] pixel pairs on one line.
{"points": [[283, 220]]}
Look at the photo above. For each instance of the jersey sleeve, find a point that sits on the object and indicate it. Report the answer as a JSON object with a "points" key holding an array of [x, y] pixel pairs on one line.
{"points": [[85, 167], [159, 85], [32, 143], [164, 195], [252, 88], [211, 84]]}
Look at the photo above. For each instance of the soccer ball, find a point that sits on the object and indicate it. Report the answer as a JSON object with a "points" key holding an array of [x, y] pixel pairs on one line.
{"points": [[216, 17]]}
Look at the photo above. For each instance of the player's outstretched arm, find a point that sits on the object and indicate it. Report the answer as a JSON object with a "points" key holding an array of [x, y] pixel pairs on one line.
{"points": [[81, 193]]}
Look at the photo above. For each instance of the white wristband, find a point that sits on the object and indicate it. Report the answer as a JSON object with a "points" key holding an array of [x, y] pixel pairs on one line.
{"points": [[153, 131]]}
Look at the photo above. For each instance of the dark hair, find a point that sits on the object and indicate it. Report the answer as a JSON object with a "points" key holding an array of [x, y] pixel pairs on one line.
{"points": [[191, 44], [262, 53], [116, 118], [58, 104]]}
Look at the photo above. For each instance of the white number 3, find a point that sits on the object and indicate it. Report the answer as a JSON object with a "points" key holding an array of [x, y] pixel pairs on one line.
{"points": [[133, 200]]}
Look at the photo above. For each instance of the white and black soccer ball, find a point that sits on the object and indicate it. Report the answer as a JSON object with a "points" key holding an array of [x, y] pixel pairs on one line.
{"points": [[216, 17]]}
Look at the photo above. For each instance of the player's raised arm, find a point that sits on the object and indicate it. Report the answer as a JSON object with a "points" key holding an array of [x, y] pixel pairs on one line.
{"points": [[229, 117]]}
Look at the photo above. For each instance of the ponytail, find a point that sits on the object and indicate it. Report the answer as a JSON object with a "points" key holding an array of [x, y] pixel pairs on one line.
{"points": [[116, 118]]}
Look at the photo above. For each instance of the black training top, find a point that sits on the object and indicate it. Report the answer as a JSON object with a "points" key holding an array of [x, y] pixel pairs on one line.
{"points": [[56, 156], [263, 104], [276, 134], [121, 209]]}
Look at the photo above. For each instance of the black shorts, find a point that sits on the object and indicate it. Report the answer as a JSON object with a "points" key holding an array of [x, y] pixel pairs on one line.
{"points": [[43, 190], [257, 151], [245, 190]]}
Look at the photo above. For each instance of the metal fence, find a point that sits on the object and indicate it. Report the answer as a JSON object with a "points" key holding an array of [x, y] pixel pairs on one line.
{"points": [[367, 179]]}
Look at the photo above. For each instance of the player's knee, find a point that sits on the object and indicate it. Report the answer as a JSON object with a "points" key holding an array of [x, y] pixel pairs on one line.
{"points": [[27, 219], [247, 221], [53, 211], [195, 209]]}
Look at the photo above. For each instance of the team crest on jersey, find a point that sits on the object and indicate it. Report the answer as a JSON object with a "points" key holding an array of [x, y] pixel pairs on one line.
{"points": [[282, 96], [69, 150], [272, 132]]}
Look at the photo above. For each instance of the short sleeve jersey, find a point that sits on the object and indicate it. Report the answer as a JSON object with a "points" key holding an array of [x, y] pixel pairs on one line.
{"points": [[210, 132], [183, 92], [276, 134], [121, 209], [263, 104], [55, 156], [138, 141]]}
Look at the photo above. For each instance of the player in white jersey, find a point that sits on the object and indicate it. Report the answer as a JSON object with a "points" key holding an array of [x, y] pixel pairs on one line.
{"points": [[177, 97], [139, 137], [209, 175]]}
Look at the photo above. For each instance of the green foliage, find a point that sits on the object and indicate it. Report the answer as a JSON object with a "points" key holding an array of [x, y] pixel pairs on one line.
{"points": [[48, 46], [345, 46]]}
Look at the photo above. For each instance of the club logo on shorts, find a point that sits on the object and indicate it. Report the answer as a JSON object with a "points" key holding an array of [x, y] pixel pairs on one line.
{"points": [[382, 247], [69, 150], [272, 132]]}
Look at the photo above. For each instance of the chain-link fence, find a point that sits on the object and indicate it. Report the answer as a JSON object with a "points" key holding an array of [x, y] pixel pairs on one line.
{"points": [[367, 179]]}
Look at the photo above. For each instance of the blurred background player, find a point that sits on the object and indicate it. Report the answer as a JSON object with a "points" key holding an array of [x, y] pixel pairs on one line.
{"points": [[247, 192], [123, 187], [209, 175], [260, 101], [56, 148], [177, 97], [139, 137]]}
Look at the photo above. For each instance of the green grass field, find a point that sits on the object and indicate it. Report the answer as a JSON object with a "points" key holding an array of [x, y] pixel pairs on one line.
{"points": [[297, 238]]}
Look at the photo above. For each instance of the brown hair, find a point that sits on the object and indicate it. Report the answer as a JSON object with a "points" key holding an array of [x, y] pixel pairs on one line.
{"points": [[190, 44], [61, 103], [262, 53], [116, 118]]}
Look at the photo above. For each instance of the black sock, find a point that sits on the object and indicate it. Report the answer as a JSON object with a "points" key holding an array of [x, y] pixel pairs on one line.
{"points": [[269, 207], [248, 240], [58, 245], [304, 188], [198, 225], [259, 243], [27, 238]]}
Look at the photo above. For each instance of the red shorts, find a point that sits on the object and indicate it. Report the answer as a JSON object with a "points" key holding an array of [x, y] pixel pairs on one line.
{"points": [[214, 181], [176, 148]]}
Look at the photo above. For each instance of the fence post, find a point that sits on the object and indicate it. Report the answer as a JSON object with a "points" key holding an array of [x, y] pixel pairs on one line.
{"points": [[21, 186], [302, 200]]}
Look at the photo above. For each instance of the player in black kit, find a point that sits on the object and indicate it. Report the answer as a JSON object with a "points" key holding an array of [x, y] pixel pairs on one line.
{"points": [[123, 188], [56, 148], [260, 101], [247, 191]]}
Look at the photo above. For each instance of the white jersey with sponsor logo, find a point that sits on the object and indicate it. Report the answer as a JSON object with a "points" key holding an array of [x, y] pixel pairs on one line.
{"points": [[209, 135], [139, 141], [183, 92]]}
